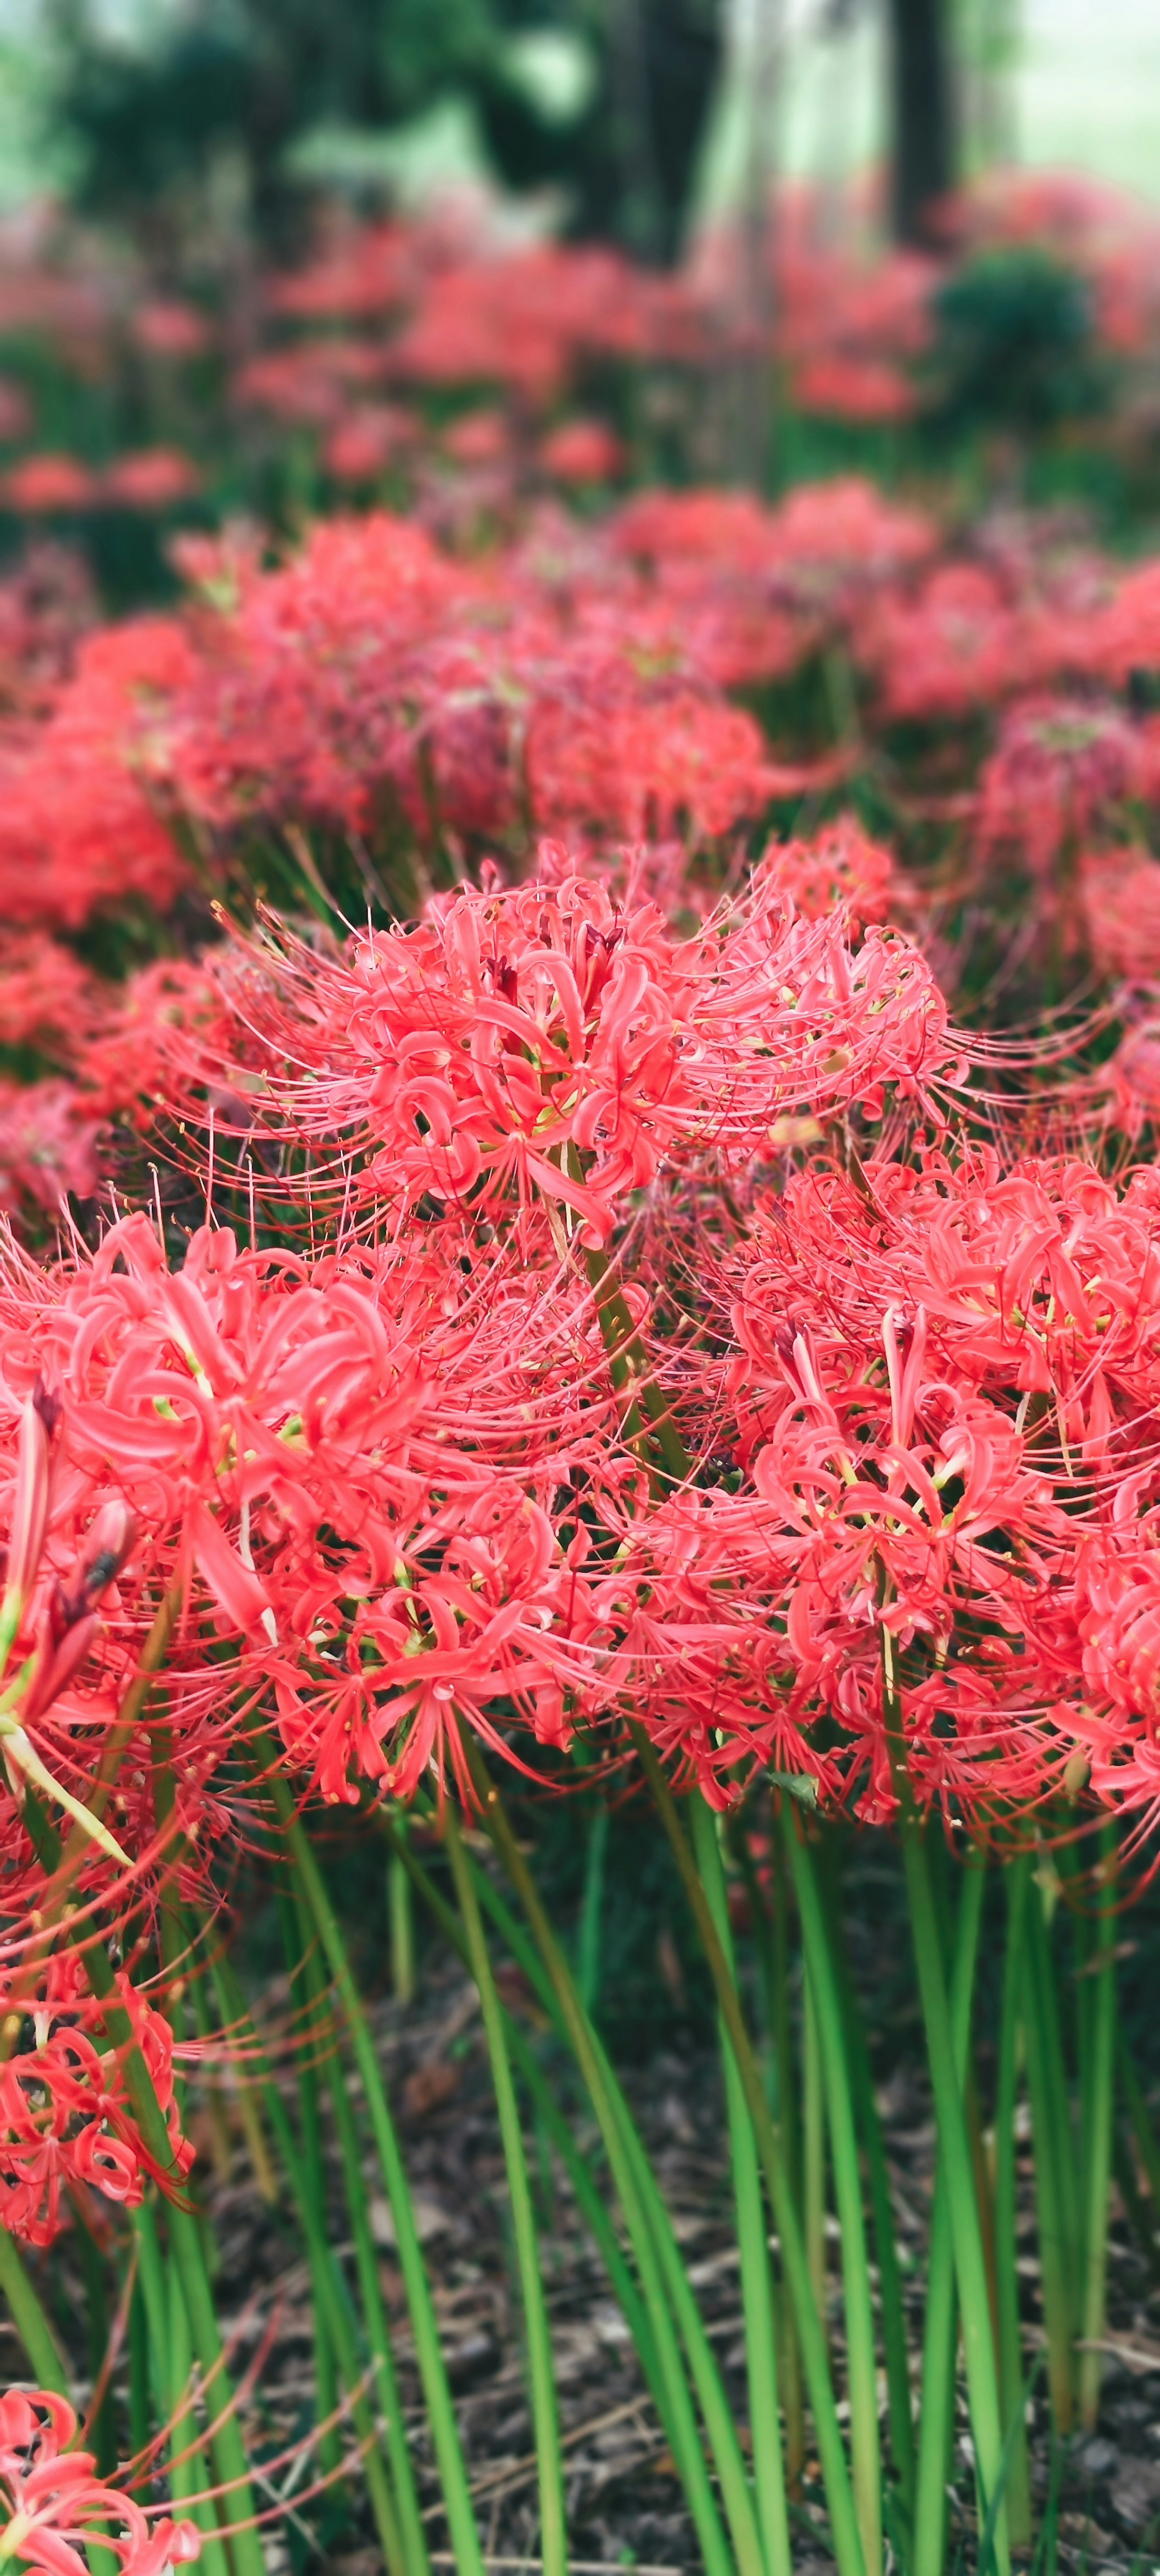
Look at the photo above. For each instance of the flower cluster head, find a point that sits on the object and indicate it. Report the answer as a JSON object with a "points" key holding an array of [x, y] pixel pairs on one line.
{"points": [[67, 2121], [546, 1045], [55, 2504]]}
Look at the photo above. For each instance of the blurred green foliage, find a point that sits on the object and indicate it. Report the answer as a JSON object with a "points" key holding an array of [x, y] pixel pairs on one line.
{"points": [[147, 125], [1015, 346]]}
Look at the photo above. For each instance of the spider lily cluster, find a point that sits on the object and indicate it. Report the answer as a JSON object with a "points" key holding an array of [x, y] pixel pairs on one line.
{"points": [[626, 1322]]}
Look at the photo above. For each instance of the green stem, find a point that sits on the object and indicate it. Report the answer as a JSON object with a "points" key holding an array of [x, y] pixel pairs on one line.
{"points": [[1140, 2123], [955, 2157], [865, 2453], [402, 1921], [588, 1950], [432, 2368], [1052, 2139], [140, 2407], [541, 2368], [757, 2288], [1139, 2211], [102, 2426], [29, 2319], [329, 2291], [894, 2337], [307, 2037], [644, 2214], [167, 2328], [228, 2447], [957, 2165], [629, 1368], [772, 1936], [940, 2338], [781, 2025], [577, 2166], [1097, 2109], [814, 2150], [771, 1929], [1017, 1876], [845, 2534]]}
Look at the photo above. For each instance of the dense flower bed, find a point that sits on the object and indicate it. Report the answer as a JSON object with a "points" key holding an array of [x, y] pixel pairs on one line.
{"points": [[533, 1235]]}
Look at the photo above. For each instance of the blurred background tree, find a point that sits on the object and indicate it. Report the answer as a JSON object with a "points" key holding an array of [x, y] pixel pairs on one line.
{"points": [[923, 155], [241, 82]]}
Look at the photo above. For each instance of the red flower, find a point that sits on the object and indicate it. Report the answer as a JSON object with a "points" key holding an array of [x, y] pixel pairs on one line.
{"points": [[56, 2503]]}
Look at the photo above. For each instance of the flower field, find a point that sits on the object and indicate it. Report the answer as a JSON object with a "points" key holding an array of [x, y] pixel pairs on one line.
{"points": [[579, 1381]]}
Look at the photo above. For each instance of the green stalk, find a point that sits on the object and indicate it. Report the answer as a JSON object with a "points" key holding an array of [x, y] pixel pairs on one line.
{"points": [[893, 2312], [956, 2161], [720, 2430], [673, 2285], [757, 2288], [432, 2368], [307, 2035], [228, 2448], [814, 2150], [955, 2155], [1052, 2137], [329, 2290], [1065, 2129], [772, 1933], [29, 2319], [654, 2244], [223, 2145], [1139, 2211], [402, 1921], [184, 2477], [660, 1442], [781, 2026], [940, 2336], [845, 2535], [184, 2435], [865, 2453], [588, 1950], [541, 2368], [577, 2166], [1097, 2109], [140, 2408], [644, 2214], [1018, 1875], [1140, 2122], [167, 2334], [102, 2426]]}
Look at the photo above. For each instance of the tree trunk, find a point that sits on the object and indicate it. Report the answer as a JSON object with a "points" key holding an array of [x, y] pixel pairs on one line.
{"points": [[923, 118]]}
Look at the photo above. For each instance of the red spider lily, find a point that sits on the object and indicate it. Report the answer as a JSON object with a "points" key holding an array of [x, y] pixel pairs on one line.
{"points": [[77, 826], [168, 328], [46, 996], [49, 486], [541, 1045], [65, 2111], [46, 604], [1060, 767], [955, 1433], [309, 1459], [56, 2504], [152, 479], [841, 869], [581, 451], [1119, 891], [48, 1146]]}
